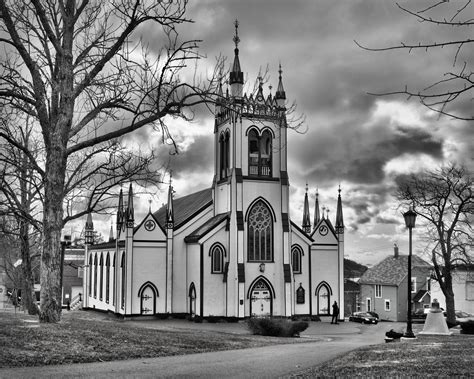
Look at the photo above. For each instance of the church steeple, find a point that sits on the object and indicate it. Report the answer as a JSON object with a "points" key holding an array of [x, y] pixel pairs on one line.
{"points": [[111, 233], [280, 94], [317, 215], [306, 217], [120, 213], [339, 218], [236, 79], [89, 230], [169, 207], [130, 213]]}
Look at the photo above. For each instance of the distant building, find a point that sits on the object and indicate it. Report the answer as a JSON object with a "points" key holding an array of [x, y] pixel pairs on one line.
{"points": [[383, 287], [72, 276], [230, 250], [463, 288]]}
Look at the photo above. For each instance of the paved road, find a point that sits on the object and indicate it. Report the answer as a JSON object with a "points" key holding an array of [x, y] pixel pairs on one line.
{"points": [[321, 342]]}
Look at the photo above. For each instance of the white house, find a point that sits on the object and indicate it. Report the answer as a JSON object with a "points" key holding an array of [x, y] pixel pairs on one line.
{"points": [[463, 289], [230, 250]]}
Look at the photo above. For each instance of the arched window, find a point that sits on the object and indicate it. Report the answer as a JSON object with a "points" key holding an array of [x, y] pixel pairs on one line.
{"points": [[90, 275], [95, 275], [260, 233], [114, 260], [217, 259], [107, 278], [296, 253], [122, 265], [224, 151], [101, 280], [260, 153]]}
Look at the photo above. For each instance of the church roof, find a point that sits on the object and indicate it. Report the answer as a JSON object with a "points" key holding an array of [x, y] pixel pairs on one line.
{"points": [[392, 270], [185, 207], [206, 227]]}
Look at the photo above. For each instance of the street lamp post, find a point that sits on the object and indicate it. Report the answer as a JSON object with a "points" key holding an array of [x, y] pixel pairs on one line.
{"points": [[410, 217]]}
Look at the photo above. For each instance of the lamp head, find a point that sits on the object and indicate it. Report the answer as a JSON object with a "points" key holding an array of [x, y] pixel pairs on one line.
{"points": [[410, 217]]}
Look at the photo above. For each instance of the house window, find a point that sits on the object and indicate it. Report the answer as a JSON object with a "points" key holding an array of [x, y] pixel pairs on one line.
{"points": [[107, 278], [224, 147], [296, 253], [95, 275], [387, 305], [413, 285], [470, 286], [369, 304], [260, 153], [101, 288], [217, 259], [378, 290], [260, 233]]}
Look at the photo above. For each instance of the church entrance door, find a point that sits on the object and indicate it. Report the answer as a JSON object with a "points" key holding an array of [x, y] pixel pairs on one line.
{"points": [[148, 301], [260, 300], [323, 301]]}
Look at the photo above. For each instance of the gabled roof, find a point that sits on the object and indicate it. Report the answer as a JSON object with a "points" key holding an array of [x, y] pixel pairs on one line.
{"points": [[185, 207], [206, 227], [420, 295], [392, 270]]}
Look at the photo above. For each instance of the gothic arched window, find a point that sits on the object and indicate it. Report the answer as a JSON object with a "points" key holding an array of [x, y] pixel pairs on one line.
{"points": [[107, 278], [224, 151], [217, 259], [296, 253], [101, 273], [260, 233], [90, 275], [260, 153], [122, 265], [95, 275]]}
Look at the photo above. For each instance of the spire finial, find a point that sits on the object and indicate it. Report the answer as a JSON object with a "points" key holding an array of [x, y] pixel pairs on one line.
{"points": [[236, 36], [280, 93], [149, 206]]}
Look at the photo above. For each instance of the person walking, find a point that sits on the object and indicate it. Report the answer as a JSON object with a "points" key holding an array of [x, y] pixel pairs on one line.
{"points": [[335, 313]]}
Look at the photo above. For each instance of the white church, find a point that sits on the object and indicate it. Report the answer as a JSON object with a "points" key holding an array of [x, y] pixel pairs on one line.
{"points": [[230, 250]]}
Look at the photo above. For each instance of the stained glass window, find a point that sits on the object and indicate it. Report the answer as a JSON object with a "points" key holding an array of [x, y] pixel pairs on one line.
{"points": [[260, 234]]}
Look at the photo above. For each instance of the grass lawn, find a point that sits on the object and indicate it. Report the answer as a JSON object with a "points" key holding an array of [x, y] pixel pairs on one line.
{"points": [[81, 338], [427, 356]]}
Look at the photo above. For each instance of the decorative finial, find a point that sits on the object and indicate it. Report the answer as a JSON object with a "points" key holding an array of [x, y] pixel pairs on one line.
{"points": [[149, 207], [236, 37], [327, 213], [280, 71], [339, 190], [270, 88], [317, 192]]}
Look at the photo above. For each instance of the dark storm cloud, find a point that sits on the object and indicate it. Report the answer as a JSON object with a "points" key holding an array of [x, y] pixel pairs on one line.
{"points": [[197, 157]]}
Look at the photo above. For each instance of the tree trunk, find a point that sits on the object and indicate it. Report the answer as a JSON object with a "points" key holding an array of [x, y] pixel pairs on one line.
{"points": [[28, 297], [51, 256], [449, 295]]}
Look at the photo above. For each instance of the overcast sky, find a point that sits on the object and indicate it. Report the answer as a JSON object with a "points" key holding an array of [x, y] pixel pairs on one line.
{"points": [[354, 139]]}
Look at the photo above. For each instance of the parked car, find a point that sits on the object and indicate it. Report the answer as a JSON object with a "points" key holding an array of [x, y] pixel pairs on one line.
{"points": [[463, 316], [419, 315], [363, 317], [375, 315]]}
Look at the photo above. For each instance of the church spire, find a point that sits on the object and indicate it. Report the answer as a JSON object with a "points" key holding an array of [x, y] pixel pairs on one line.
{"points": [[89, 230], [306, 217], [339, 218], [280, 94], [317, 216], [169, 207], [130, 211], [111, 233], [120, 214], [236, 75]]}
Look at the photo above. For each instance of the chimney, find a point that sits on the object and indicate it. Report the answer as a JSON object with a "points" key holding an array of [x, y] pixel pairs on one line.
{"points": [[395, 250]]}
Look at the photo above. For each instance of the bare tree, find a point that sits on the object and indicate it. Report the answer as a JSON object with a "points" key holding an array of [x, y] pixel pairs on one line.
{"points": [[81, 72], [454, 91], [444, 201]]}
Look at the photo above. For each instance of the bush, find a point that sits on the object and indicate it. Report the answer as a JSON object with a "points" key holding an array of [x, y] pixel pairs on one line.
{"points": [[213, 319], [276, 327], [467, 327]]}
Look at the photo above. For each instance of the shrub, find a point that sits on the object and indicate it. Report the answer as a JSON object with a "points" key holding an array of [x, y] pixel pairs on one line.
{"points": [[213, 319], [467, 327], [315, 318], [276, 327]]}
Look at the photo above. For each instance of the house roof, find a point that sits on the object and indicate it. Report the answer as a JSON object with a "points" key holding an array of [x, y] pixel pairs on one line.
{"points": [[420, 295], [185, 207], [392, 270], [206, 227]]}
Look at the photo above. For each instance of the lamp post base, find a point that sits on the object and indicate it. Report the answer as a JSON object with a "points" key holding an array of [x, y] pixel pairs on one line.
{"points": [[409, 335]]}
